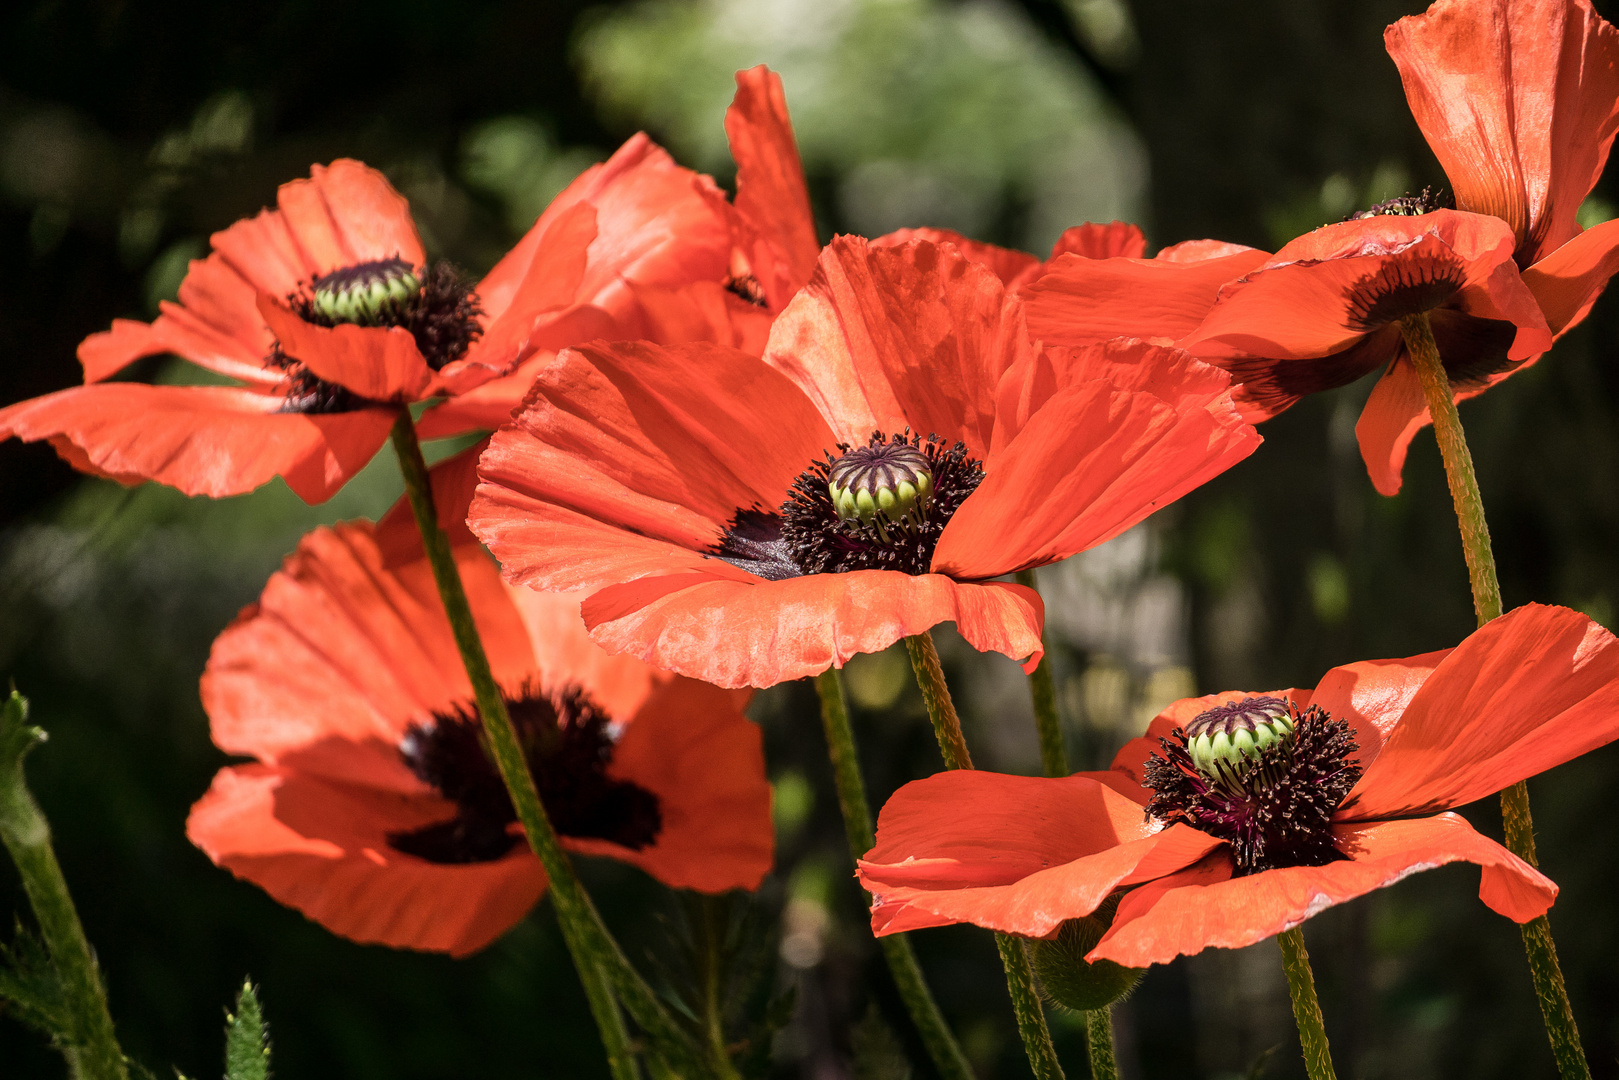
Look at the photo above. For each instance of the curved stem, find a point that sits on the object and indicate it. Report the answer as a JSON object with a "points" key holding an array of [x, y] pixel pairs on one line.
{"points": [[1544, 969], [1053, 755], [1306, 1009], [1099, 1039], [941, 1043], [587, 937], [1031, 1019], [89, 1044]]}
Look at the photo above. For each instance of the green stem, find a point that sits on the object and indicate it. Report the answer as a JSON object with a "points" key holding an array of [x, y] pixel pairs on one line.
{"points": [[1544, 970], [610, 1022], [941, 1044], [1306, 1009], [1099, 1040], [1031, 1019], [587, 938], [90, 1046], [1053, 755], [936, 696]]}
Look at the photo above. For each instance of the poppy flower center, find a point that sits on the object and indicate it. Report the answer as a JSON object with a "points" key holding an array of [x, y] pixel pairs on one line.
{"points": [[568, 742], [881, 506], [1409, 205], [440, 310], [1261, 775]]}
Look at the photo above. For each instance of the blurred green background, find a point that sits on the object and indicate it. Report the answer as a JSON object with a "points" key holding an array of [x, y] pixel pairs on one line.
{"points": [[129, 131]]}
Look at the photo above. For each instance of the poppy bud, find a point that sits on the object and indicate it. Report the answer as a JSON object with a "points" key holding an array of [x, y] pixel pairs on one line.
{"points": [[1068, 978], [366, 294], [1236, 734], [888, 479]]}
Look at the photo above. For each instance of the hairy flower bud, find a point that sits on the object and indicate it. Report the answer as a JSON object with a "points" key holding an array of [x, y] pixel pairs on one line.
{"points": [[1068, 978]]}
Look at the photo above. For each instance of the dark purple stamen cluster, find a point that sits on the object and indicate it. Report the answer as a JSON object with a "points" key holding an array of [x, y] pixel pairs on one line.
{"points": [[444, 317], [748, 288], [1276, 809], [568, 743], [808, 537], [1407, 285]]}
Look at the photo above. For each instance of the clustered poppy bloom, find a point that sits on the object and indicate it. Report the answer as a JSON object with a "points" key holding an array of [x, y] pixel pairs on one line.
{"points": [[327, 312], [373, 807], [901, 443], [1239, 816]]}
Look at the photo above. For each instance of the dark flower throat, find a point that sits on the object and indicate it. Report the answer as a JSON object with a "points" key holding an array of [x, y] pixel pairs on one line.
{"points": [[912, 487], [440, 310], [1261, 775], [568, 744]]}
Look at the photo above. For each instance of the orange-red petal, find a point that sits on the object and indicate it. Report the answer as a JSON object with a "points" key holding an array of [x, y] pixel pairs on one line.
{"points": [[322, 847], [213, 441], [377, 363], [1203, 906], [1524, 693], [910, 337], [772, 199], [1093, 240], [1519, 100], [1008, 264], [1568, 280], [753, 632]]}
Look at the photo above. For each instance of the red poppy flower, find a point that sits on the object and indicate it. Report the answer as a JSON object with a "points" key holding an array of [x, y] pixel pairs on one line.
{"points": [[1260, 809], [327, 312], [1091, 240], [372, 807], [748, 521]]}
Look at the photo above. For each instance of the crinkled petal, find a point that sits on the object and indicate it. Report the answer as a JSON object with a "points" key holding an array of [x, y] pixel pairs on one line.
{"points": [[1096, 458], [754, 632], [772, 199], [377, 363], [1093, 240], [203, 440], [1524, 693], [339, 647], [346, 213], [1519, 100], [689, 745], [1008, 264], [911, 337], [1079, 300], [1204, 906], [322, 848]]}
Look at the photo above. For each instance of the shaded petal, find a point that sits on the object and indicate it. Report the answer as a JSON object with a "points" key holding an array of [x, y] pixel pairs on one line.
{"points": [[1372, 695], [1519, 100], [1396, 410], [1524, 693], [322, 847], [689, 745], [1095, 459], [377, 363], [555, 273], [1567, 282], [1204, 906], [1092, 240], [1078, 300], [203, 440], [1007, 264], [338, 647], [758, 633], [772, 199], [1323, 291], [345, 213], [642, 448], [885, 339], [1267, 387], [703, 311]]}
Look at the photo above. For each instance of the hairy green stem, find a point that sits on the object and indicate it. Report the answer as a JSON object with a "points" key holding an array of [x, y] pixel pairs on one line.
{"points": [[588, 940], [1053, 755], [615, 1037], [1544, 970], [902, 963], [1031, 1019], [89, 1044], [1306, 1009], [1099, 1040]]}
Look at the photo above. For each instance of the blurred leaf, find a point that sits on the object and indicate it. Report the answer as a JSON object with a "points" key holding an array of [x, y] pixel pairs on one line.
{"points": [[247, 1042], [878, 1053], [31, 988]]}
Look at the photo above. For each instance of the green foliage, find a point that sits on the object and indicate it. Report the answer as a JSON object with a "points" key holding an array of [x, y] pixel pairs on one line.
{"points": [[17, 737], [247, 1039], [31, 989]]}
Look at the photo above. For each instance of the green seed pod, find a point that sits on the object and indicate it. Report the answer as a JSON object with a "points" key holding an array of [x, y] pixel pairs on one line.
{"points": [[369, 294], [883, 482], [1230, 738], [1070, 980]]}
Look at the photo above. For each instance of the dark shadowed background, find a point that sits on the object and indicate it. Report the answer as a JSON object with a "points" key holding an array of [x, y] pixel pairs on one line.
{"points": [[129, 131]]}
